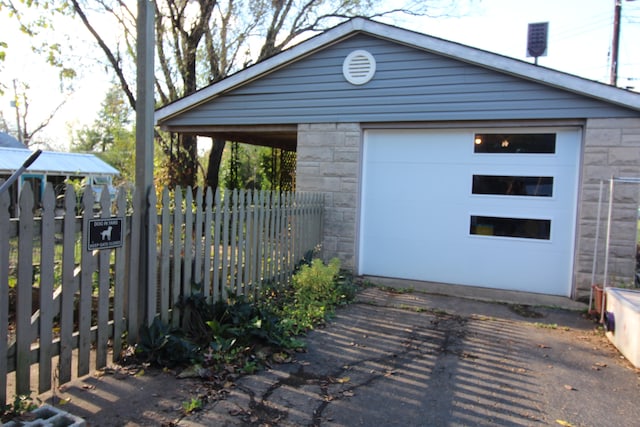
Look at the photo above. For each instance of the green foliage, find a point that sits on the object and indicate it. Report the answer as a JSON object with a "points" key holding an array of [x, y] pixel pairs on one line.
{"points": [[111, 137], [246, 166], [241, 332], [161, 345], [192, 405], [316, 292], [21, 405]]}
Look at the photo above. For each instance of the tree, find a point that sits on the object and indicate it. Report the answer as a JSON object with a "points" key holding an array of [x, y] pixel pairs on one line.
{"points": [[50, 51], [111, 136], [21, 104]]}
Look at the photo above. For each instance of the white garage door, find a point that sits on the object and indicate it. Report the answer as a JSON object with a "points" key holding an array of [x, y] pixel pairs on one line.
{"points": [[491, 208]]}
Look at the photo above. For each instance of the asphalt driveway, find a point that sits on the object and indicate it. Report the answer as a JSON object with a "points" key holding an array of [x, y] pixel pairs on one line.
{"points": [[405, 359]]}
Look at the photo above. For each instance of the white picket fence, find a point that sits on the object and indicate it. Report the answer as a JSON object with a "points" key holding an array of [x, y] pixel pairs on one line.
{"points": [[61, 300]]}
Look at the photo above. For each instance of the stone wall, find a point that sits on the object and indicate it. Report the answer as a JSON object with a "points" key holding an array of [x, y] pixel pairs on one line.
{"points": [[611, 148], [329, 162]]}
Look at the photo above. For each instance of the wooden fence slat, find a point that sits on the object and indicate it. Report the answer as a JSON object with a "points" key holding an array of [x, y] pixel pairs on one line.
{"points": [[178, 219], [24, 291], [69, 286], [244, 225], [224, 282], [4, 292], [86, 289], [47, 241], [187, 256], [234, 242], [197, 242], [216, 249], [132, 303], [152, 257], [119, 280], [259, 236], [268, 233], [104, 273], [277, 231], [165, 256], [206, 256]]}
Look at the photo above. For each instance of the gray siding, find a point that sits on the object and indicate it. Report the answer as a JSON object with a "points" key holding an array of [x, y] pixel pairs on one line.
{"points": [[409, 85]]}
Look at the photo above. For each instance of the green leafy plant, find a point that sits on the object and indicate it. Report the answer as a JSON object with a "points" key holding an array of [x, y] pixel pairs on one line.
{"points": [[195, 404], [317, 288], [239, 334], [250, 367], [164, 346], [21, 405]]}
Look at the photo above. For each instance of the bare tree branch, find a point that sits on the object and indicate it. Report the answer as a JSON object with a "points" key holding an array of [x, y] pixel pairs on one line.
{"points": [[115, 64]]}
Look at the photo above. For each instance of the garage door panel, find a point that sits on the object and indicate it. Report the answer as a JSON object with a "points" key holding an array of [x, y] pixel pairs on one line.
{"points": [[417, 207]]}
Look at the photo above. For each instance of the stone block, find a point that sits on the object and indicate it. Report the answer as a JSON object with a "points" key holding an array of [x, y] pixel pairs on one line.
{"points": [[344, 154], [628, 156], [603, 137], [596, 156], [325, 127], [314, 153], [345, 200], [613, 123], [48, 416]]}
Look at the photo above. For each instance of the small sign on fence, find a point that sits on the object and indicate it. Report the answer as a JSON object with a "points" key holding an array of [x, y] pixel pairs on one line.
{"points": [[104, 233]]}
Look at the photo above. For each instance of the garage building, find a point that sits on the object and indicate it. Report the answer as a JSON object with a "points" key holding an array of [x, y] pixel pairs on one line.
{"points": [[440, 162]]}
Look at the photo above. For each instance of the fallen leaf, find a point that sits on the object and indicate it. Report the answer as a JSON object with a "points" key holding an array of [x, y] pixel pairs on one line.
{"points": [[343, 380], [348, 393], [569, 387], [140, 373], [64, 401], [564, 423], [543, 346]]}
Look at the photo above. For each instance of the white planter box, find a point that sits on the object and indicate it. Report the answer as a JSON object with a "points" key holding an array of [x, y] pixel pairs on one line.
{"points": [[624, 305]]}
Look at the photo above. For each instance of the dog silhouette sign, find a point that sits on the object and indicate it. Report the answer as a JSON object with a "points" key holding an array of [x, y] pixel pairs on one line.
{"points": [[104, 233]]}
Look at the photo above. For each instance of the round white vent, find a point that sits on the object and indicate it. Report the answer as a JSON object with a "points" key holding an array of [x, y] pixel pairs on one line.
{"points": [[359, 67]]}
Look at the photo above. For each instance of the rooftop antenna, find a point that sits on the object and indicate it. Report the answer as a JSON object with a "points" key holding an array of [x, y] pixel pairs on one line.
{"points": [[537, 37]]}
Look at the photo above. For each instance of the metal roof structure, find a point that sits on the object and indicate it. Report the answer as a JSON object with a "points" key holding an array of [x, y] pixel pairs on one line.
{"points": [[55, 163]]}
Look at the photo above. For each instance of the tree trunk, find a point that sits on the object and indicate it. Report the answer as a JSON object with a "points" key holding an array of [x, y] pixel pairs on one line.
{"points": [[215, 159]]}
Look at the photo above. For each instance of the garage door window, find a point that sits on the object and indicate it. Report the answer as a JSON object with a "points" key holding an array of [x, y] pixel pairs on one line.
{"points": [[511, 227], [526, 143], [503, 185]]}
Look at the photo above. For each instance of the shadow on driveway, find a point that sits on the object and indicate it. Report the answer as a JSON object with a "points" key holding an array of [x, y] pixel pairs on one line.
{"points": [[410, 359]]}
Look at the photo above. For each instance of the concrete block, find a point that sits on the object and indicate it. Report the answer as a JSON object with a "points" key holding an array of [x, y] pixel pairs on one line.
{"points": [[340, 169], [315, 153], [343, 154], [628, 156], [48, 416], [603, 137]]}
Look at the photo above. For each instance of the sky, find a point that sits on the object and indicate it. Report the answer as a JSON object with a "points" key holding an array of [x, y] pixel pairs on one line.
{"points": [[580, 34]]}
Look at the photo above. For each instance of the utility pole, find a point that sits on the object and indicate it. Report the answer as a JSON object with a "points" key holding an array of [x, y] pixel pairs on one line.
{"points": [[615, 44]]}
